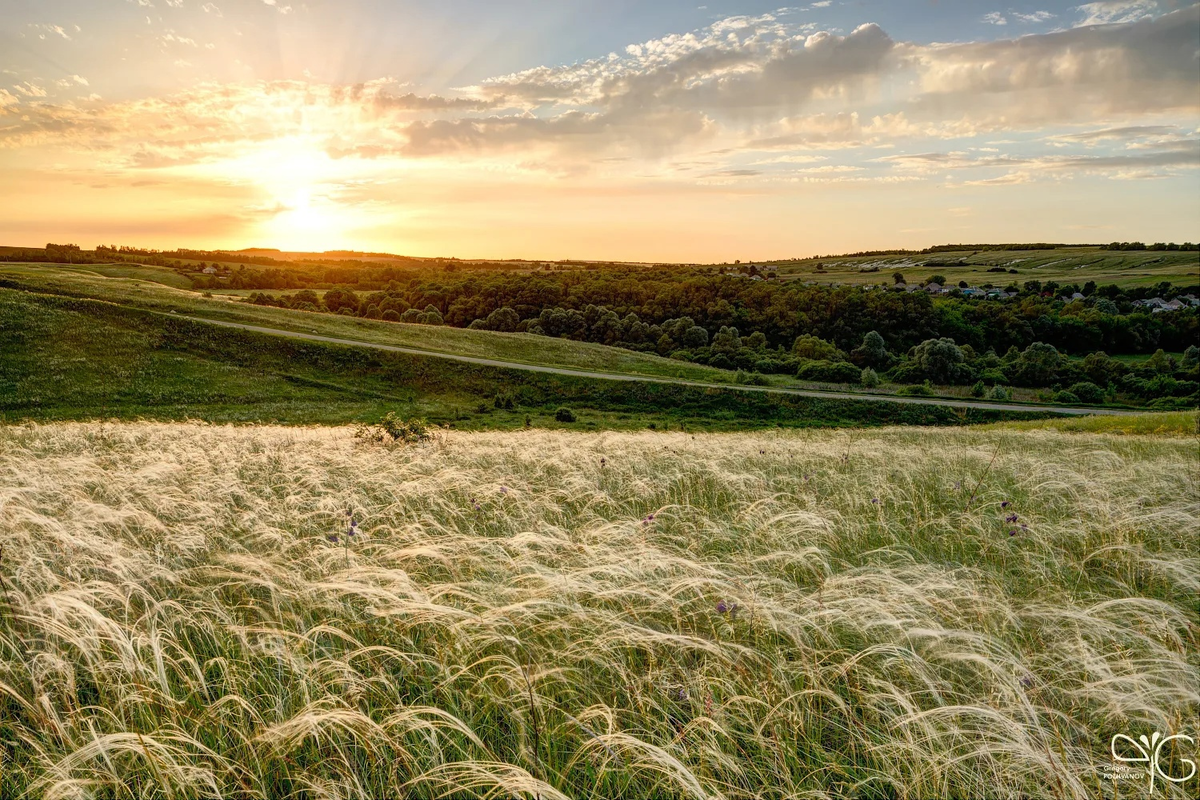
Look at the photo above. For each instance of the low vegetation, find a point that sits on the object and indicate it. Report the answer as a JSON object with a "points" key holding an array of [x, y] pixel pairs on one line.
{"points": [[219, 612]]}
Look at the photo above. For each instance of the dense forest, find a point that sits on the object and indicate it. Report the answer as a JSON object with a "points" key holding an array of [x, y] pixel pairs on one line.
{"points": [[819, 333]]}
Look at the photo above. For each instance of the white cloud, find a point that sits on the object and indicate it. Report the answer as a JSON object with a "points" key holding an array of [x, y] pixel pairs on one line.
{"points": [[1107, 12], [995, 18], [1034, 17], [56, 30]]}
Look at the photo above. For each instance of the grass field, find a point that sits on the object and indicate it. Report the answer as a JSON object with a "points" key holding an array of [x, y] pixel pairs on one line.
{"points": [[539, 614], [1075, 265]]}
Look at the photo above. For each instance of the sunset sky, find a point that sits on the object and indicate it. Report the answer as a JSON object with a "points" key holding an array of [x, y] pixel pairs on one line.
{"points": [[620, 129]]}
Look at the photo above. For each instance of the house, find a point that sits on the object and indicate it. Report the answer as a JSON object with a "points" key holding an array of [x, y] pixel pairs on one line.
{"points": [[933, 288], [1190, 299], [1174, 305], [210, 270]]}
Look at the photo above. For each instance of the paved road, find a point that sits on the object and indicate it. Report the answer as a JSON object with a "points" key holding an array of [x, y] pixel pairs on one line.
{"points": [[609, 376]]}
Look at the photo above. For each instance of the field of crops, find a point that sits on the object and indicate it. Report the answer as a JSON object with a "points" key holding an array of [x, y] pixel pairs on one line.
{"points": [[903, 613], [1074, 265]]}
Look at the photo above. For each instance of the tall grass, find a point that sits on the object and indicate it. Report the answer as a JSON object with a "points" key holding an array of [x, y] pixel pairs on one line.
{"points": [[791, 615]]}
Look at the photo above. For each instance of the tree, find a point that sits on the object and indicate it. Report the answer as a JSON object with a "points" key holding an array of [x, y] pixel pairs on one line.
{"points": [[726, 341], [898, 278], [816, 349], [869, 378], [940, 280], [872, 352], [940, 360], [695, 337], [1038, 365], [1191, 357]]}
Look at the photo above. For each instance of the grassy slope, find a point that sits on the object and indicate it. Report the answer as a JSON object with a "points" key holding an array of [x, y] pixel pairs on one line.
{"points": [[1073, 265], [512, 618], [63, 358], [521, 348]]}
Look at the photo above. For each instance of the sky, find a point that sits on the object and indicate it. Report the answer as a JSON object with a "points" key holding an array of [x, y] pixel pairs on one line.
{"points": [[621, 129]]}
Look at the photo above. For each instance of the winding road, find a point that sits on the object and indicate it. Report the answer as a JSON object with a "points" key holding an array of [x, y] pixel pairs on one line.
{"points": [[610, 376]]}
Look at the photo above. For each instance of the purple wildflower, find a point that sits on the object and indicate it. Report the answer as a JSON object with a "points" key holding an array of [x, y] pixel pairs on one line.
{"points": [[1011, 518], [875, 500], [722, 607], [1012, 533], [1005, 504], [353, 531], [503, 490], [333, 537], [1027, 681], [603, 462]]}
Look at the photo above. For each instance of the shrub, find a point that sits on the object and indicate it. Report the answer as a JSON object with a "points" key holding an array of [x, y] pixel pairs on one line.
{"points": [[1087, 392], [828, 372], [1066, 397], [1001, 393], [869, 378], [917, 390], [393, 428], [564, 414], [978, 390], [751, 378]]}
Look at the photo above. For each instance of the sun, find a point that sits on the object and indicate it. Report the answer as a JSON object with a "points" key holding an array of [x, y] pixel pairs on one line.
{"points": [[300, 186]]}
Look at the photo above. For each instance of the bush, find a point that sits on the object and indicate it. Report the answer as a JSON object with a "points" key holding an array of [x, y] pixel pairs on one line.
{"points": [[1175, 403], [1087, 392], [393, 428], [751, 378], [917, 390], [1066, 397], [869, 378], [978, 390], [564, 414], [1001, 393], [829, 372]]}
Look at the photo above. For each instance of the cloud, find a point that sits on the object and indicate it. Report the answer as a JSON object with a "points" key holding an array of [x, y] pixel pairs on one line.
{"points": [[1066, 76], [745, 89], [1034, 17], [737, 64], [53, 29], [1178, 153], [995, 18], [1107, 12]]}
